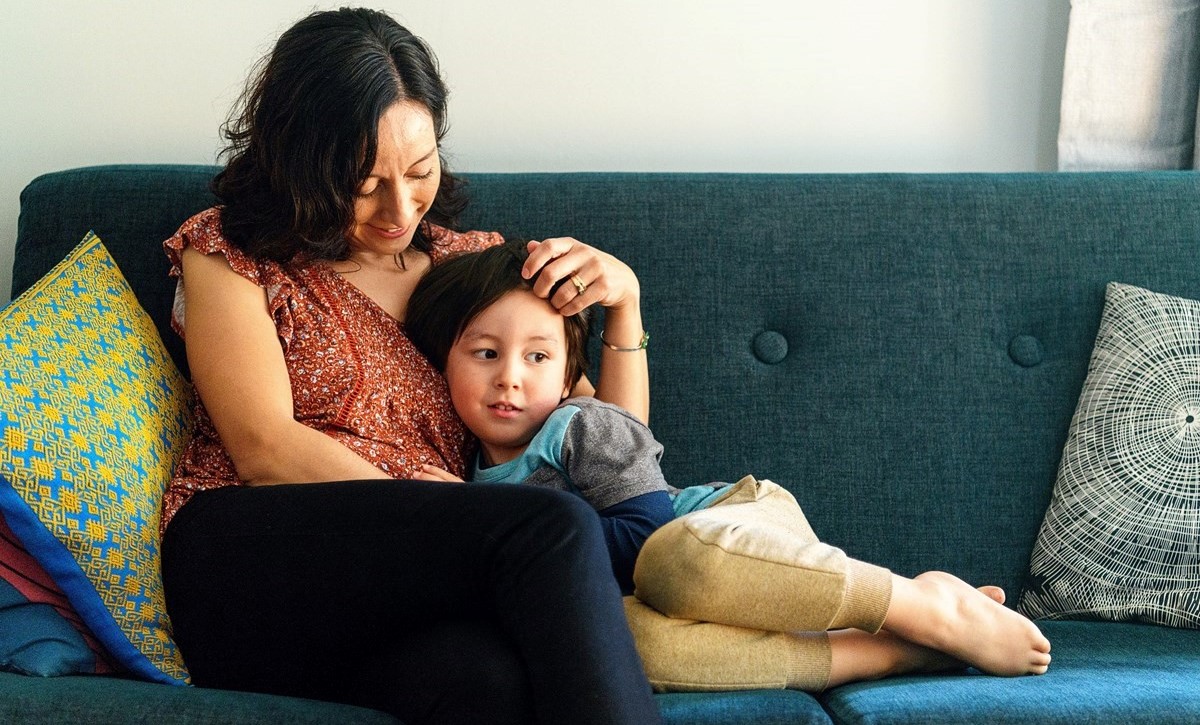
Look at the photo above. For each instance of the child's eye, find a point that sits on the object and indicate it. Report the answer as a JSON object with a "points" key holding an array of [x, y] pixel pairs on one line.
{"points": [[484, 354], [537, 357]]}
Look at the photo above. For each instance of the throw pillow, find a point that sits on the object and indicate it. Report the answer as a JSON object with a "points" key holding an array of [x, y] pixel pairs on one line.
{"points": [[1118, 540], [92, 412], [40, 634], [38, 641]]}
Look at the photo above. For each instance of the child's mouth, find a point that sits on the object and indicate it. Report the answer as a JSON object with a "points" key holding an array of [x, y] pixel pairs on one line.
{"points": [[505, 409]]}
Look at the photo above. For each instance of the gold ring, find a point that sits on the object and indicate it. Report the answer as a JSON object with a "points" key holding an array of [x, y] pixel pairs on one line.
{"points": [[579, 284]]}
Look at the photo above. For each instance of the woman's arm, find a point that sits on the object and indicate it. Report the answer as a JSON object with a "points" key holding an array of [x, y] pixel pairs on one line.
{"points": [[609, 282], [624, 374], [239, 373]]}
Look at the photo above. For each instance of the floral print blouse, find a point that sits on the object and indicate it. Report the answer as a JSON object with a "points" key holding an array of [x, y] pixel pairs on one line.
{"points": [[355, 375]]}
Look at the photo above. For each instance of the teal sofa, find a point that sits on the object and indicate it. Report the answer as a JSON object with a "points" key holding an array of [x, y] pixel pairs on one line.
{"points": [[903, 352]]}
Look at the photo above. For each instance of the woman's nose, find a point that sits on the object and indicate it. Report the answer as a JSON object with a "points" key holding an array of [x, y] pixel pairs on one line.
{"points": [[401, 206]]}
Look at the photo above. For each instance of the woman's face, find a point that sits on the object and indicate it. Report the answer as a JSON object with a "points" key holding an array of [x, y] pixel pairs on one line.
{"points": [[402, 184]]}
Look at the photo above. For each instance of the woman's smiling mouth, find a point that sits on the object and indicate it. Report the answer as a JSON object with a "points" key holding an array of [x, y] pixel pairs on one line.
{"points": [[390, 233]]}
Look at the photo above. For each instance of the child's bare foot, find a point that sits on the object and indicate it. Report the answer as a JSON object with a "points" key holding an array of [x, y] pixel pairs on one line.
{"points": [[996, 594], [856, 655], [943, 612]]}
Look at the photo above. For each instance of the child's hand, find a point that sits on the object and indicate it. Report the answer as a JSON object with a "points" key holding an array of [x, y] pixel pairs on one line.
{"points": [[433, 473]]}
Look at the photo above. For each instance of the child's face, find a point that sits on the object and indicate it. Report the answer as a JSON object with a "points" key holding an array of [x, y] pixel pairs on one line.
{"points": [[507, 373]]}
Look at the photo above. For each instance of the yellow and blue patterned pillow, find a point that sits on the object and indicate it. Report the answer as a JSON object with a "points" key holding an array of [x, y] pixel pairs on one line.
{"points": [[92, 413]]}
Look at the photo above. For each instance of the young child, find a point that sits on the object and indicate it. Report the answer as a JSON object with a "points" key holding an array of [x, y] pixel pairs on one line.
{"points": [[511, 361], [738, 593]]}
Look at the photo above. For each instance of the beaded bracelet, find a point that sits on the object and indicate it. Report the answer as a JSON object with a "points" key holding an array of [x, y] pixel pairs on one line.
{"points": [[642, 343]]}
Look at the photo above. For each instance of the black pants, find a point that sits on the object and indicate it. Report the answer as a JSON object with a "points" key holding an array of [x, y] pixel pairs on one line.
{"points": [[438, 603]]}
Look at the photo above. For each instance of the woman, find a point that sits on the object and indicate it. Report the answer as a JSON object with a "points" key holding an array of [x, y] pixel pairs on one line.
{"points": [[292, 562]]}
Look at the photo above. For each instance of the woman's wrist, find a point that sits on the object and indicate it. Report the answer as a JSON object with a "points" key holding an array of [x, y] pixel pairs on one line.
{"points": [[630, 300], [642, 343], [623, 328]]}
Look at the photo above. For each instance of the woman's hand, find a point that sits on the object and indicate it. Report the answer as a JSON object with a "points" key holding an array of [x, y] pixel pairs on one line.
{"points": [[430, 472], [592, 276], [596, 277]]}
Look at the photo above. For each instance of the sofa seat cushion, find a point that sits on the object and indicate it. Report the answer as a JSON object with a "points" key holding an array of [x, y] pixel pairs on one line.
{"points": [[92, 700], [760, 707], [1102, 672]]}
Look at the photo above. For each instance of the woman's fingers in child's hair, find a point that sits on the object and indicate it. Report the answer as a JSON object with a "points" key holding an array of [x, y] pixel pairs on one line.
{"points": [[588, 275], [430, 472]]}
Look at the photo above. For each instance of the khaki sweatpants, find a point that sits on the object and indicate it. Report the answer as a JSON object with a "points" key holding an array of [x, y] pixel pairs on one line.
{"points": [[741, 595]]}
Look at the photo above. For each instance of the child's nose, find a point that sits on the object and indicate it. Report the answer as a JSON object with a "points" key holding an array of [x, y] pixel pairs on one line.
{"points": [[508, 377]]}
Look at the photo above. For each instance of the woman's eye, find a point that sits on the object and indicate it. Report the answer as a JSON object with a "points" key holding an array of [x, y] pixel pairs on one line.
{"points": [[424, 176]]}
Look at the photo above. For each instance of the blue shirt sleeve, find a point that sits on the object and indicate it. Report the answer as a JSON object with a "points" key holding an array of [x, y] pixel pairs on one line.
{"points": [[626, 527]]}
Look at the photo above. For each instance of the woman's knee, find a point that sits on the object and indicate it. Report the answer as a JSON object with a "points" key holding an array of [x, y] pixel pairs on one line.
{"points": [[567, 507], [559, 517], [553, 531]]}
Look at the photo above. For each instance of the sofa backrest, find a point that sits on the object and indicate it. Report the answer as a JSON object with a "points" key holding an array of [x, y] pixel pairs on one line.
{"points": [[132, 208], [903, 352]]}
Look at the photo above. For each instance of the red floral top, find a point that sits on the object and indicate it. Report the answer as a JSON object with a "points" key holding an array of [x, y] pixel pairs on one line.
{"points": [[355, 375]]}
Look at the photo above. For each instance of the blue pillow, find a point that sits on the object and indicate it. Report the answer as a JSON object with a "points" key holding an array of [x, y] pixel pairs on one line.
{"points": [[37, 640], [33, 611]]}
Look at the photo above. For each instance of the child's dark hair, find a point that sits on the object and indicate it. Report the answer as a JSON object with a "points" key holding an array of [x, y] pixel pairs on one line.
{"points": [[454, 292]]}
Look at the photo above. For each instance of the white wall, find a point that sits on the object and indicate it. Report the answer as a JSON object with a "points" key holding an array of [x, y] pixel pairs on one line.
{"points": [[670, 85]]}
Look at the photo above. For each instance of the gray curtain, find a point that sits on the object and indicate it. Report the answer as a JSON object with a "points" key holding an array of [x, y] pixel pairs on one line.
{"points": [[1130, 85]]}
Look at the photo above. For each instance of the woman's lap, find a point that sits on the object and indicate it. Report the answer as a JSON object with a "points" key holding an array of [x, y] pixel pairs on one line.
{"points": [[267, 586]]}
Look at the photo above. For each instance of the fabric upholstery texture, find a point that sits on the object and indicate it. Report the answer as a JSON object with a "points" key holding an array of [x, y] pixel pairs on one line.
{"points": [[756, 707], [112, 701], [1119, 538], [1102, 673], [92, 412], [133, 209]]}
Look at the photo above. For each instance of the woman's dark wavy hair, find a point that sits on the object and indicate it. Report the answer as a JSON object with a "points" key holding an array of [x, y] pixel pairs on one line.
{"points": [[453, 293], [303, 136]]}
